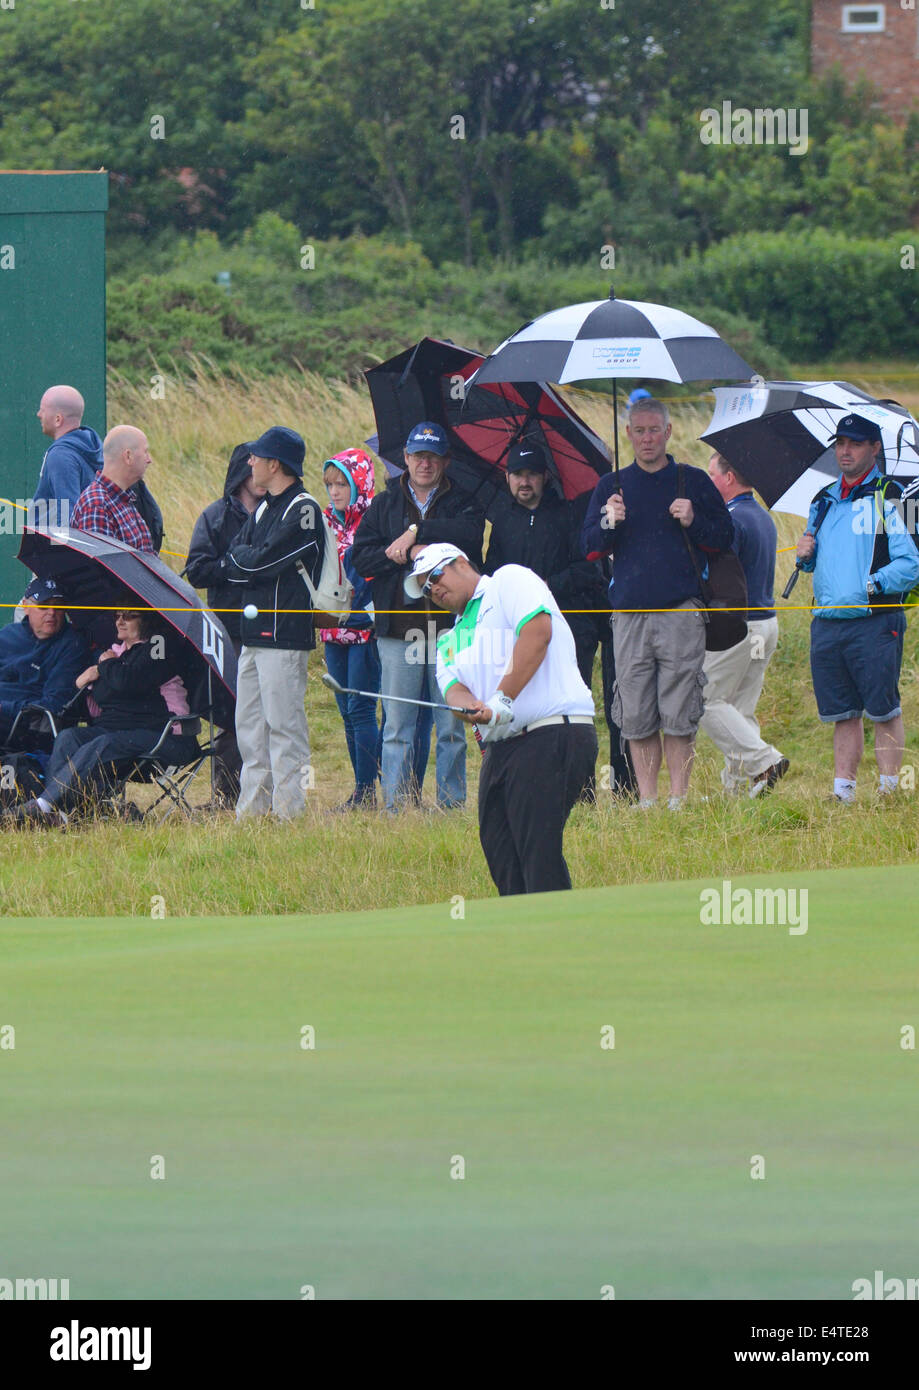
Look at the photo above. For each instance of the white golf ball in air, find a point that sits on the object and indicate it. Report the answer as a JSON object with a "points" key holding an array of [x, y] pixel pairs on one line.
{"points": [[250, 611]]}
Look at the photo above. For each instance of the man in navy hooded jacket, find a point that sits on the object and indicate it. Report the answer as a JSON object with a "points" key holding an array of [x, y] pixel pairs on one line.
{"points": [[40, 656], [75, 456], [73, 460]]}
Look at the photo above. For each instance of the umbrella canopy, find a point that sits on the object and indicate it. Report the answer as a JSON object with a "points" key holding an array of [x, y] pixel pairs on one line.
{"points": [[614, 338], [98, 570], [430, 381], [777, 434]]}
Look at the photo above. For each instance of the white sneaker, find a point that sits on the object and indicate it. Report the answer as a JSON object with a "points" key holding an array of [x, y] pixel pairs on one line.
{"points": [[675, 803], [647, 803]]}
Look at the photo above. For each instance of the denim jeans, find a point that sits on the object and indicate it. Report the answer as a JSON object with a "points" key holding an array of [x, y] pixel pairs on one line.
{"points": [[357, 665], [407, 678]]}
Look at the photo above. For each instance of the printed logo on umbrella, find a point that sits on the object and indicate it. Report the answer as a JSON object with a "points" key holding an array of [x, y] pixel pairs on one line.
{"points": [[616, 356]]}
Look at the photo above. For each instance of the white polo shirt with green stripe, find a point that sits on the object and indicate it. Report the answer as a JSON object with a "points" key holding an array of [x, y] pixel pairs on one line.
{"points": [[477, 649]]}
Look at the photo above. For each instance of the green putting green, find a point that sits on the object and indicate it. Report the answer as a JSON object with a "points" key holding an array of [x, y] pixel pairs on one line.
{"points": [[479, 1039]]}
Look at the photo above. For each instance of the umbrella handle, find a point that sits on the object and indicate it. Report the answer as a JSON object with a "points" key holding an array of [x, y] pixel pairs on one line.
{"points": [[792, 581]]}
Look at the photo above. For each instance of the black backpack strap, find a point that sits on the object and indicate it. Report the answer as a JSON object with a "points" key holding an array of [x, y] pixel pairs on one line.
{"points": [[703, 591]]}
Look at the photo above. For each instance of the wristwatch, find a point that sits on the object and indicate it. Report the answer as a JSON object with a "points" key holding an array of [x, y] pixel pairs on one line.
{"points": [[414, 528], [873, 588]]}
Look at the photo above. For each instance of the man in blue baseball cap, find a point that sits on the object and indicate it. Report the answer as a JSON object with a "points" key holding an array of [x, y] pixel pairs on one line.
{"points": [[283, 539], [864, 560], [420, 506]]}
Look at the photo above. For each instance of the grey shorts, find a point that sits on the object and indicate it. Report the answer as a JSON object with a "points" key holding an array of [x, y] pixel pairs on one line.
{"points": [[659, 676]]}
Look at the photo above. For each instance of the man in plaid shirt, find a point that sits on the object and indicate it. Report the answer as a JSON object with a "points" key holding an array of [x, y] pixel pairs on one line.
{"points": [[107, 505]]}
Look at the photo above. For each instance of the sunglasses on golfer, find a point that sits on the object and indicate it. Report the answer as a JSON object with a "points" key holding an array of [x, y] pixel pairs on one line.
{"points": [[433, 577]]}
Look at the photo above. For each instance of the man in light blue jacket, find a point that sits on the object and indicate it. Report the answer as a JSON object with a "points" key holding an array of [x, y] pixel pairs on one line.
{"points": [[864, 560]]}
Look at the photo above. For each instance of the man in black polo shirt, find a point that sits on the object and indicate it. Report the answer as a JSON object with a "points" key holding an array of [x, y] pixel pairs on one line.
{"points": [[735, 677]]}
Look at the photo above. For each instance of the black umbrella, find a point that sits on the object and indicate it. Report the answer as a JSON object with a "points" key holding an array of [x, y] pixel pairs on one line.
{"points": [[778, 435], [614, 338], [430, 382], [97, 573]]}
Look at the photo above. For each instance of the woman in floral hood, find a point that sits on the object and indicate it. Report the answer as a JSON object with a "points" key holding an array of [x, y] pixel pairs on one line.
{"points": [[351, 650]]}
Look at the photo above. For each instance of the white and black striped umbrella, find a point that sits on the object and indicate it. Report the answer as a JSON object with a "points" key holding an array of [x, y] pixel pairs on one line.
{"points": [[610, 339], [778, 436], [614, 338]]}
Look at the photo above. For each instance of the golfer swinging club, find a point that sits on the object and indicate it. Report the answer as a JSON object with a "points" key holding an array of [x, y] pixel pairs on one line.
{"points": [[508, 665]]}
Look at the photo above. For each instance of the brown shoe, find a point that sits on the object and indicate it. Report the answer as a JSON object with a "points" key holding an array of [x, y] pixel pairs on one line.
{"points": [[765, 781]]}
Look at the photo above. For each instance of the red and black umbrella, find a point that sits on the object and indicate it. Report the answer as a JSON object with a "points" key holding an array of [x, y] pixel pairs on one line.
{"points": [[430, 382], [98, 573]]}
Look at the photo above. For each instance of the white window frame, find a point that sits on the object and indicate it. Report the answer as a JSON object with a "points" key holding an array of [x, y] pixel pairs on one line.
{"points": [[878, 27]]}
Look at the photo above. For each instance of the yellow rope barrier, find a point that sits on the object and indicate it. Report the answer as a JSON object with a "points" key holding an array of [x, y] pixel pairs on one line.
{"points": [[432, 612]]}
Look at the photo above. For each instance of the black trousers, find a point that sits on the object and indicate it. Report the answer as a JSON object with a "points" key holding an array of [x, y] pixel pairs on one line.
{"points": [[526, 791], [82, 761]]}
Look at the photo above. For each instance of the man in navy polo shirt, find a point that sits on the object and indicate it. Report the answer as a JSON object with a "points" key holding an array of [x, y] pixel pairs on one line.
{"points": [[735, 676], [863, 560]]}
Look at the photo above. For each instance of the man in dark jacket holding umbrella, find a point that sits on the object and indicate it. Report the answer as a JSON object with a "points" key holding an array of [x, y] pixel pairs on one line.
{"points": [[282, 541], [215, 530], [420, 506]]}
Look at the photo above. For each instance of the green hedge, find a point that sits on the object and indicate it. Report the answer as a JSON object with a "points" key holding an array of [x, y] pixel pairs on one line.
{"points": [[817, 295], [773, 296]]}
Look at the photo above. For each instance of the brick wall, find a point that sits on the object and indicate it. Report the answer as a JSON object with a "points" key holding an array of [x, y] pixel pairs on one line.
{"points": [[890, 59]]}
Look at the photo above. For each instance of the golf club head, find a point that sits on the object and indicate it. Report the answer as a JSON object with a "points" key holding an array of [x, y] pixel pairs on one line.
{"points": [[331, 682]]}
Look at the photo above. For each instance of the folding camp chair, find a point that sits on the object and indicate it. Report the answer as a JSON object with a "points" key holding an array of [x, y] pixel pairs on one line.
{"points": [[174, 781]]}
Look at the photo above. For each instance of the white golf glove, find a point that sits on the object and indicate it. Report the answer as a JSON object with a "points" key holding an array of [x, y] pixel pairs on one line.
{"points": [[502, 715]]}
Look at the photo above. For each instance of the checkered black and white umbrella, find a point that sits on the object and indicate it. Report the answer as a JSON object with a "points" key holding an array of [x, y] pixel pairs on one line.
{"points": [[614, 338], [778, 435]]}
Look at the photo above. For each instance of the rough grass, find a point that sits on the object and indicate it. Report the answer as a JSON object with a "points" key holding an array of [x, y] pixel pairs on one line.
{"points": [[326, 863]]}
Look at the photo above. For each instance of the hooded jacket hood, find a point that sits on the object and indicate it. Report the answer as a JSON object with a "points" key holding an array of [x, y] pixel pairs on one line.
{"points": [[238, 469], [357, 466], [86, 442]]}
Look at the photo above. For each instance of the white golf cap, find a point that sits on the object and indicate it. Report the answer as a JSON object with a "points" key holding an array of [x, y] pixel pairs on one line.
{"points": [[440, 553]]}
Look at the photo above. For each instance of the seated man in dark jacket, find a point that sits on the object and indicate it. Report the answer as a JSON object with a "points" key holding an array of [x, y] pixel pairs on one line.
{"points": [[40, 657], [127, 689], [419, 506], [215, 531]]}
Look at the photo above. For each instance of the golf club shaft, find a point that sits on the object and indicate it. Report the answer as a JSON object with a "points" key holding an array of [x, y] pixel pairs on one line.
{"points": [[399, 699]]}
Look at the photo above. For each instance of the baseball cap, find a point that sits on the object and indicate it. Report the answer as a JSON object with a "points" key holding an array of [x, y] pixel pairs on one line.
{"points": [[428, 438], [42, 591], [859, 429], [280, 443], [440, 553], [526, 454]]}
